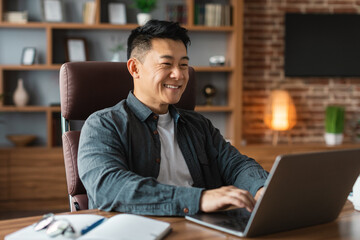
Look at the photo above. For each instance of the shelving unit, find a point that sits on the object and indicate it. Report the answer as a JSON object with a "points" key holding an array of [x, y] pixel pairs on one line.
{"points": [[52, 56]]}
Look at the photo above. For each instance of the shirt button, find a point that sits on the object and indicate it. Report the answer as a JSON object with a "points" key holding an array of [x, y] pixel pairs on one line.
{"points": [[155, 117], [186, 210], [157, 160], [155, 132]]}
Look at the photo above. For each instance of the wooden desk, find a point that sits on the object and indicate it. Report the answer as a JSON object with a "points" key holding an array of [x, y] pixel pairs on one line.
{"points": [[346, 226]]}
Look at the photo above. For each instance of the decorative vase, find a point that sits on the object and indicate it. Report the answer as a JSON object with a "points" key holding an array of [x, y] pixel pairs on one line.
{"points": [[116, 57], [333, 138], [119, 57], [142, 18], [20, 96]]}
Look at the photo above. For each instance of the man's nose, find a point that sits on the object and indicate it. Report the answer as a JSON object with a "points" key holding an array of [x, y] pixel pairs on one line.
{"points": [[176, 73]]}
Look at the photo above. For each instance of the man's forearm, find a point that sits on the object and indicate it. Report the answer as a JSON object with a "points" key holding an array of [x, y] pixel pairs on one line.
{"points": [[141, 195]]}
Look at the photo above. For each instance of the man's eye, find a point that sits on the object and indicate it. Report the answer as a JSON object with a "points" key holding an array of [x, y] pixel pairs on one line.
{"points": [[184, 65], [166, 64]]}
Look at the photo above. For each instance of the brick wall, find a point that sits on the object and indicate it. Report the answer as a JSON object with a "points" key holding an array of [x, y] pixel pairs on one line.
{"points": [[264, 71]]}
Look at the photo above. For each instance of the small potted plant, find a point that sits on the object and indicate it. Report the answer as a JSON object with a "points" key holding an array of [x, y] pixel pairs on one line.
{"points": [[145, 7], [117, 52], [334, 125]]}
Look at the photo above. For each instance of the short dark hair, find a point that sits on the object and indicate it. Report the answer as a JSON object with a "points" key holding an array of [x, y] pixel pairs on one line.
{"points": [[140, 38]]}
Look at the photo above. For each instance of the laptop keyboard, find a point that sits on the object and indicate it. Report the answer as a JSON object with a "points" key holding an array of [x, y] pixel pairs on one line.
{"points": [[235, 219], [236, 224]]}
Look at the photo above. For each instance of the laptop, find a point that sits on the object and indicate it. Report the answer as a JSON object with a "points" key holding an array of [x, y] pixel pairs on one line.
{"points": [[301, 190]]}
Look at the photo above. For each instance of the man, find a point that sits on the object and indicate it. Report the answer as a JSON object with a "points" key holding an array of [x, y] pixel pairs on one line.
{"points": [[145, 156]]}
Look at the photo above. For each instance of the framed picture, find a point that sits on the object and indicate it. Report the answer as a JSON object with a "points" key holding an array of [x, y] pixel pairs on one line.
{"points": [[28, 56], [53, 11], [76, 50], [117, 13]]}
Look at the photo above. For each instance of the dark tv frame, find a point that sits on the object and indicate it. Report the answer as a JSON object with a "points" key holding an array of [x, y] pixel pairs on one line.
{"points": [[322, 45]]}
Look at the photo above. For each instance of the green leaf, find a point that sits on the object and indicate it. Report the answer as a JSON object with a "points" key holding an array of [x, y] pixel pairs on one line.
{"points": [[145, 6], [334, 119]]}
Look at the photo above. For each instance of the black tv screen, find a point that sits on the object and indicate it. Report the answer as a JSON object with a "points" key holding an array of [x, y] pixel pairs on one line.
{"points": [[324, 45]]}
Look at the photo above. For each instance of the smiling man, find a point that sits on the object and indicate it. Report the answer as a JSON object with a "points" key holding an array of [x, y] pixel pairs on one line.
{"points": [[145, 156]]}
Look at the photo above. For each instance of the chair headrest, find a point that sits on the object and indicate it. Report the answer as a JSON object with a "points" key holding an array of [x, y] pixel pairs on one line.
{"points": [[86, 87]]}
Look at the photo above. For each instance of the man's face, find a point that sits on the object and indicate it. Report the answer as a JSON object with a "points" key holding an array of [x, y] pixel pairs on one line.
{"points": [[163, 75]]}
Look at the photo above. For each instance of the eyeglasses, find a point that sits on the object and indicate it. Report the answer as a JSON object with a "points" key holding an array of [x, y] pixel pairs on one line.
{"points": [[55, 227]]}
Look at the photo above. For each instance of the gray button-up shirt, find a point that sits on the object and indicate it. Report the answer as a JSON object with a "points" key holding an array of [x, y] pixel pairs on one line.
{"points": [[119, 161]]}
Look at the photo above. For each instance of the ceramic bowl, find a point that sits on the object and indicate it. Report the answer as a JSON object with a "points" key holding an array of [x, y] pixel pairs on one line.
{"points": [[21, 140]]}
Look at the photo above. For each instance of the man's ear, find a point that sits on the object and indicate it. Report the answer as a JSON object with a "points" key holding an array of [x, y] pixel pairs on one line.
{"points": [[132, 65]]}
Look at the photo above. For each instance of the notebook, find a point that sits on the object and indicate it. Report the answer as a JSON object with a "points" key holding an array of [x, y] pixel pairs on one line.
{"points": [[301, 190], [124, 226]]}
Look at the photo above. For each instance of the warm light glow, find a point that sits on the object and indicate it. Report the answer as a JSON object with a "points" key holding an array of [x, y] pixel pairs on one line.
{"points": [[280, 114]]}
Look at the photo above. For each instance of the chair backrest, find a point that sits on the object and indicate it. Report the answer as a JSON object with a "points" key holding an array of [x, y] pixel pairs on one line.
{"points": [[86, 87]]}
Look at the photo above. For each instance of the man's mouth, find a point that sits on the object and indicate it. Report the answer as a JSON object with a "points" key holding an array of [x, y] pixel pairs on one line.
{"points": [[171, 86]]}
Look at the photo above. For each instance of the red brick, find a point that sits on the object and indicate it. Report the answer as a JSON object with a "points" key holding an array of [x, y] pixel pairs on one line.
{"points": [[249, 2], [319, 2], [256, 8], [258, 67], [312, 9], [259, 37], [254, 45], [290, 9], [340, 2], [298, 1], [248, 15], [345, 10]]}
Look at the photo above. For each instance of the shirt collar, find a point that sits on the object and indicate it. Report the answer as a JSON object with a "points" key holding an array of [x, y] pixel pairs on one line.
{"points": [[174, 113], [138, 108], [143, 112]]}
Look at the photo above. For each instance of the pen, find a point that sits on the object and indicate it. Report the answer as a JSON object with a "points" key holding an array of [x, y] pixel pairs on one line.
{"points": [[92, 226]]}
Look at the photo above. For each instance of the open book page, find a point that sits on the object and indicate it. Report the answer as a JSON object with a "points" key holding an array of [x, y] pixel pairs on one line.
{"points": [[78, 221], [128, 226]]}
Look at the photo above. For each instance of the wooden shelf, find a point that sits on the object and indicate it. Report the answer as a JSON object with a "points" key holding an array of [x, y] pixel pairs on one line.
{"points": [[30, 109], [196, 28], [213, 68], [30, 67], [7, 148], [204, 108], [26, 25], [73, 25], [67, 25], [93, 26]]}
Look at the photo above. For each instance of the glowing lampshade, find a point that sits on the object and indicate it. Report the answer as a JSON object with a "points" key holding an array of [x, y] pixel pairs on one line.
{"points": [[280, 113]]}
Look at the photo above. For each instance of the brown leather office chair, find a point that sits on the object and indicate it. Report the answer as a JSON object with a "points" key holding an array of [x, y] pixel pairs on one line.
{"points": [[86, 87]]}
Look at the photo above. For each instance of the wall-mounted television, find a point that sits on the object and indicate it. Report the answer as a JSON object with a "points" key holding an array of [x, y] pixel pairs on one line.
{"points": [[323, 45]]}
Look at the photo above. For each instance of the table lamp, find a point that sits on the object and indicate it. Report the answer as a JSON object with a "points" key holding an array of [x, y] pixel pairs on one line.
{"points": [[280, 113]]}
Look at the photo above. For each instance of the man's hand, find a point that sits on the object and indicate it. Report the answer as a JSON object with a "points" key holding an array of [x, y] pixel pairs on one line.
{"points": [[259, 193], [224, 197]]}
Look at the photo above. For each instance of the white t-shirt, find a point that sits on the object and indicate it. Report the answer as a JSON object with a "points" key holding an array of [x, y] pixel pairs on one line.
{"points": [[173, 168]]}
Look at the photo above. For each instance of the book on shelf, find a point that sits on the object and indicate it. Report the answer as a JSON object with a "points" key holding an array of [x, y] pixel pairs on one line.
{"points": [[89, 12], [176, 13], [16, 17], [91, 226], [212, 14]]}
